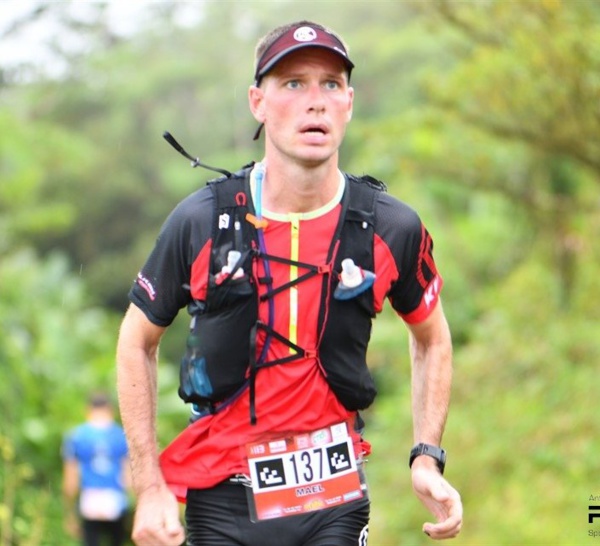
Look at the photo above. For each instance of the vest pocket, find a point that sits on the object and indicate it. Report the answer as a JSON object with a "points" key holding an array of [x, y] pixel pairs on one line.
{"points": [[343, 351], [218, 348]]}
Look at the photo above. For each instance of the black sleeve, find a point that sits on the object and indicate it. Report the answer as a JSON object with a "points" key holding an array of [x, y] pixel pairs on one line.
{"points": [[412, 248], [161, 288]]}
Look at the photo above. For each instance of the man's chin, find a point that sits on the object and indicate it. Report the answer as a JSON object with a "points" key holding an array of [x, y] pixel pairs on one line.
{"points": [[316, 158]]}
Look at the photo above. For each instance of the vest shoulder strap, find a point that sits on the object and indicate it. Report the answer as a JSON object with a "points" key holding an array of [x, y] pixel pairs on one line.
{"points": [[362, 195], [354, 234], [230, 229]]}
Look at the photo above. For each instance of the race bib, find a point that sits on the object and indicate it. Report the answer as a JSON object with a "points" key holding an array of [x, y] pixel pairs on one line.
{"points": [[101, 504], [303, 473]]}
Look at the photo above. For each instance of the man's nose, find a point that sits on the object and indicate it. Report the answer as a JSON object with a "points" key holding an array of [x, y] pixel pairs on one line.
{"points": [[316, 98]]}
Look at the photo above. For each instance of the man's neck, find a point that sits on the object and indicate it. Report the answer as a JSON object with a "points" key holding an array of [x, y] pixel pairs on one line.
{"points": [[100, 418], [290, 187]]}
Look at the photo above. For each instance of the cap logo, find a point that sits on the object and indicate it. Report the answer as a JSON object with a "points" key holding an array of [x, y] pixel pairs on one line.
{"points": [[305, 34]]}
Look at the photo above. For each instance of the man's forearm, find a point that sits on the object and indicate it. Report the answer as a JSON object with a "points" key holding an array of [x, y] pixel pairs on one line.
{"points": [[70, 504], [431, 382], [137, 402], [136, 386]]}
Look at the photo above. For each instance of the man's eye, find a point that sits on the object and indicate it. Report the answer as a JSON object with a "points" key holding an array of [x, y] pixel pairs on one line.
{"points": [[293, 84], [331, 84]]}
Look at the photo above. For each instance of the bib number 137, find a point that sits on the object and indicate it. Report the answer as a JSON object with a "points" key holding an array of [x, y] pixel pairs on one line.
{"points": [[304, 473], [310, 464], [303, 467]]}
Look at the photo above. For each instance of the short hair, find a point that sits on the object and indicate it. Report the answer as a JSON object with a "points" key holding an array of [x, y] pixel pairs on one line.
{"points": [[99, 400]]}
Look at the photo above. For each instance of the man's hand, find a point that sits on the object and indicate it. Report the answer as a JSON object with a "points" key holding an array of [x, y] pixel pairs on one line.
{"points": [[156, 521], [71, 525], [439, 497]]}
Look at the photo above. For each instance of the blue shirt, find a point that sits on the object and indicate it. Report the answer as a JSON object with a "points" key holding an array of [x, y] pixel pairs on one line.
{"points": [[100, 451]]}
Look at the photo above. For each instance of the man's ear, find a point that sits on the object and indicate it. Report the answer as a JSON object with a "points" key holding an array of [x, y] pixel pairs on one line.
{"points": [[256, 102], [350, 103]]}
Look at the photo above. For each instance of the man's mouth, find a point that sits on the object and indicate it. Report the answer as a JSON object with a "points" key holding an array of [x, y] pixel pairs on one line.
{"points": [[314, 130]]}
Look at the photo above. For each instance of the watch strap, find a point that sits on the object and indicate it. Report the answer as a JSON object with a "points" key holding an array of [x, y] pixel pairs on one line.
{"points": [[435, 452]]}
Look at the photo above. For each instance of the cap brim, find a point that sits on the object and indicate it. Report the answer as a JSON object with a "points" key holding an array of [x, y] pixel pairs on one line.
{"points": [[272, 62]]}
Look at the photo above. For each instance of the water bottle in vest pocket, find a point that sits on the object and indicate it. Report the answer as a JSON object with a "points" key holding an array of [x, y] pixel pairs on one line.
{"points": [[215, 364]]}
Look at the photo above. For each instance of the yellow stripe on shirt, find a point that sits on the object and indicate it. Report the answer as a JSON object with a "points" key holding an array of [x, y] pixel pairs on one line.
{"points": [[294, 256]]}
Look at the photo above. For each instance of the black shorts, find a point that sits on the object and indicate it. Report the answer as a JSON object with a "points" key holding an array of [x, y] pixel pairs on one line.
{"points": [[219, 517], [95, 532]]}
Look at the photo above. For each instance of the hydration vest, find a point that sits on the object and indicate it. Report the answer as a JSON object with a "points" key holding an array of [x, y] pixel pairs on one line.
{"points": [[221, 359]]}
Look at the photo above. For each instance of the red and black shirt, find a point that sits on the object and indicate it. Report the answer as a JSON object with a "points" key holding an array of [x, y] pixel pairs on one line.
{"points": [[294, 397]]}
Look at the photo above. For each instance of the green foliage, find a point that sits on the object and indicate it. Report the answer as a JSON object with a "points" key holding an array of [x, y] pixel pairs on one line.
{"points": [[29, 168], [519, 435], [54, 349]]}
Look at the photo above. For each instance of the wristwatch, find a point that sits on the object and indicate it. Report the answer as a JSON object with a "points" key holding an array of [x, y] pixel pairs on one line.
{"points": [[437, 453]]}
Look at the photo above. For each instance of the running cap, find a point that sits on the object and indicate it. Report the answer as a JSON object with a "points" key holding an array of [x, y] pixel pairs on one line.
{"points": [[298, 36]]}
